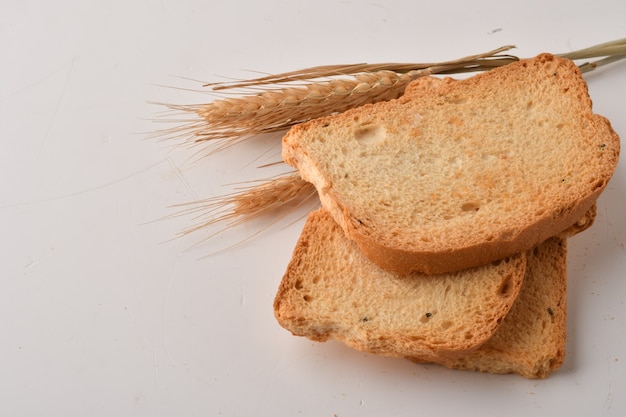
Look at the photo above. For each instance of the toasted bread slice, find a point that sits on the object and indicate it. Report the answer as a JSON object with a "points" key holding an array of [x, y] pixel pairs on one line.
{"points": [[332, 290], [457, 174], [531, 340]]}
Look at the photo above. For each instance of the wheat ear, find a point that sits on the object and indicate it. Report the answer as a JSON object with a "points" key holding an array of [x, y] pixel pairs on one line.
{"points": [[272, 111], [249, 202]]}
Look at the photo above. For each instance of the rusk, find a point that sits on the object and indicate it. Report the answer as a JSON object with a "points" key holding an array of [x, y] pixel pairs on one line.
{"points": [[460, 320], [331, 290], [458, 174], [531, 340]]}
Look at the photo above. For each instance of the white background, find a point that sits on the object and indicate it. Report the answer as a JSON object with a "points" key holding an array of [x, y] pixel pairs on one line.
{"points": [[102, 313]]}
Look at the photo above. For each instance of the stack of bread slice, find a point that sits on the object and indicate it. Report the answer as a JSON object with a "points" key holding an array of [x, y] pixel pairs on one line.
{"points": [[445, 214]]}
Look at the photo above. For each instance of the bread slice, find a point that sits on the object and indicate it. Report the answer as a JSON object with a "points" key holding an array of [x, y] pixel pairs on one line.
{"points": [[531, 340], [457, 174], [331, 290]]}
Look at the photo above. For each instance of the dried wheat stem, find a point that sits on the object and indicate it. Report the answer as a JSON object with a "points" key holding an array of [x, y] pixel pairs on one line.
{"points": [[609, 52], [611, 48], [488, 59]]}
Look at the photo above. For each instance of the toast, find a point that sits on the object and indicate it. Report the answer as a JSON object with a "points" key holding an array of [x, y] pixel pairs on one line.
{"points": [[531, 340], [331, 290], [458, 174]]}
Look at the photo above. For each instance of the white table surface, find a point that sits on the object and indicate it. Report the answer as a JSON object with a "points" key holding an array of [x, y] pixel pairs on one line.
{"points": [[102, 313]]}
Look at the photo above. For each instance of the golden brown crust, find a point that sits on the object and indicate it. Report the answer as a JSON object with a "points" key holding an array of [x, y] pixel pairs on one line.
{"points": [[403, 262]]}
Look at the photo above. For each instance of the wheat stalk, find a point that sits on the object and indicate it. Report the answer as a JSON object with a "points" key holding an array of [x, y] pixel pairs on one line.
{"points": [[479, 62], [610, 52]]}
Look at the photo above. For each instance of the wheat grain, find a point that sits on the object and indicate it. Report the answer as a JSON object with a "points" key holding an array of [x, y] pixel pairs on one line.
{"points": [[288, 190], [271, 111], [270, 195]]}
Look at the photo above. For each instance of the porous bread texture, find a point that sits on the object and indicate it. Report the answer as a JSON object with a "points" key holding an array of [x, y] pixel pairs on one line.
{"points": [[331, 290], [531, 340], [457, 174]]}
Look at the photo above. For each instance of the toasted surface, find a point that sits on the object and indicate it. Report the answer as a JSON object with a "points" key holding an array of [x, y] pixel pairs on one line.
{"points": [[331, 290], [456, 174], [531, 340]]}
